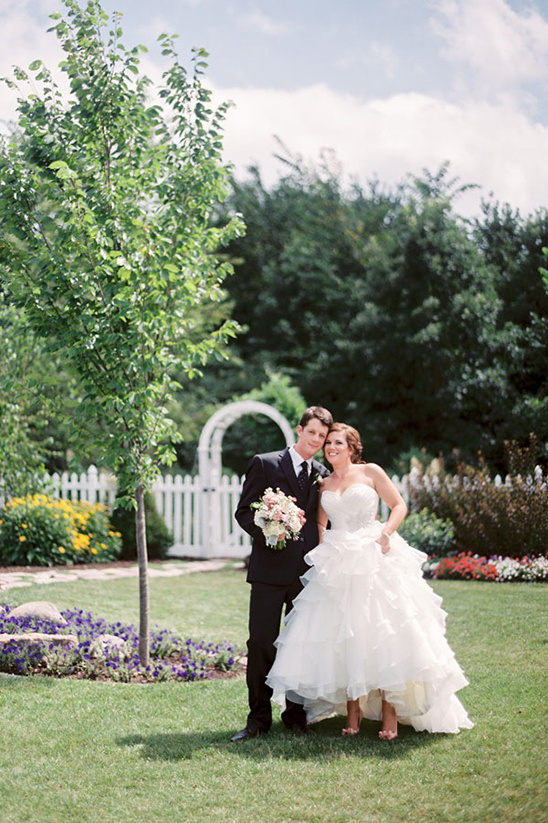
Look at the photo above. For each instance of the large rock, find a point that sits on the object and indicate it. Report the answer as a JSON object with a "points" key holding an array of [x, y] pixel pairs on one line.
{"points": [[111, 640], [110, 644], [41, 610]]}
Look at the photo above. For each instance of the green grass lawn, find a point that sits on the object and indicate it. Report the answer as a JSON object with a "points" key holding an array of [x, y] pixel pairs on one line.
{"points": [[76, 751]]}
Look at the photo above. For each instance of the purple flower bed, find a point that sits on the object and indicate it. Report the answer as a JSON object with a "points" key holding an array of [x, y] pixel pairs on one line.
{"points": [[171, 657]]}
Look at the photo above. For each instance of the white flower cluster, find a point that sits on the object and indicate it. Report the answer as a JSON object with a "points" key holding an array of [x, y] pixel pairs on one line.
{"points": [[533, 569]]}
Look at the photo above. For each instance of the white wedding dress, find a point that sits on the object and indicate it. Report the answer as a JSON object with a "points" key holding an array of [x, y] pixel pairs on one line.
{"points": [[367, 623]]}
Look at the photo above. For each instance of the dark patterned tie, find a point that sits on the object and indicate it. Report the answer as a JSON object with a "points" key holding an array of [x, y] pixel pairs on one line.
{"points": [[302, 477]]}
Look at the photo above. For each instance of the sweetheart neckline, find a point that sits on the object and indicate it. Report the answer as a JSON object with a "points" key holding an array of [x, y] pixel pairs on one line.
{"points": [[353, 486]]}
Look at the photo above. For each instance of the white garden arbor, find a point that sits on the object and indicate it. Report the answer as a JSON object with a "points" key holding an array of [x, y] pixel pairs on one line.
{"points": [[210, 465]]}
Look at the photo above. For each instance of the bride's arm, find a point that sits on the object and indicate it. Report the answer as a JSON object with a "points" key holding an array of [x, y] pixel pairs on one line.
{"points": [[393, 499], [321, 521]]}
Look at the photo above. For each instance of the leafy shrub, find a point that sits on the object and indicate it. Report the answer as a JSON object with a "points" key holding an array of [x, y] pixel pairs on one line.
{"points": [[429, 533], [504, 519], [42, 531], [158, 536]]}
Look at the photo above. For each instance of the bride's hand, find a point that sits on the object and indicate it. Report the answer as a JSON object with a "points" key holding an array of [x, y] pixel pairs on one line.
{"points": [[384, 542]]}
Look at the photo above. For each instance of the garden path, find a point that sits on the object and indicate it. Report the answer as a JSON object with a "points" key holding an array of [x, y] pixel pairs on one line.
{"points": [[17, 578]]}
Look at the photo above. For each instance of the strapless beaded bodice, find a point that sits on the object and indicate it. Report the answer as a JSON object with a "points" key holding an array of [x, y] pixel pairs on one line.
{"points": [[356, 508]]}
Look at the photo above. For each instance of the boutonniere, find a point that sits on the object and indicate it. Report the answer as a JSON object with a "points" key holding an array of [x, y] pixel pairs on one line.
{"points": [[318, 480]]}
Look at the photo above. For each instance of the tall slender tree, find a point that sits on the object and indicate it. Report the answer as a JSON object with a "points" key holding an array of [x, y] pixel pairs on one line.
{"points": [[106, 202]]}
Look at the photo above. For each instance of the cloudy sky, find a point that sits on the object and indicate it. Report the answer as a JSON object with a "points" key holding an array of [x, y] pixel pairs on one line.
{"points": [[390, 86]]}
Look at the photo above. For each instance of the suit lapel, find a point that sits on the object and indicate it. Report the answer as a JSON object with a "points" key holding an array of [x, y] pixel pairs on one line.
{"points": [[289, 472]]}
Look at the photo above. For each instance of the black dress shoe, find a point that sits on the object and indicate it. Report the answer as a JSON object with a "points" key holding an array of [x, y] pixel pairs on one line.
{"points": [[245, 734]]}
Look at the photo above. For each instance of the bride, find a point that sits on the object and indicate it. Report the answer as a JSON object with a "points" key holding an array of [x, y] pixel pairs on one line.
{"points": [[366, 635]]}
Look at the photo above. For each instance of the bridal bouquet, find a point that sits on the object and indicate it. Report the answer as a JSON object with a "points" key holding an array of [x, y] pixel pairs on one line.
{"points": [[278, 518]]}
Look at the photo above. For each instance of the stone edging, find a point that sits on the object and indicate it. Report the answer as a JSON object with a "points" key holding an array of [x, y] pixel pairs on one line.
{"points": [[13, 580]]}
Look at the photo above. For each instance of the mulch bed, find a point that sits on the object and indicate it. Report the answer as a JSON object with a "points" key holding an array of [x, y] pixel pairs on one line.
{"points": [[212, 674]]}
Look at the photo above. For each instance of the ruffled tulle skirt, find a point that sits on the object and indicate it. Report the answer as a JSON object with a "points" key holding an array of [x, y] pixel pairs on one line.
{"points": [[367, 625]]}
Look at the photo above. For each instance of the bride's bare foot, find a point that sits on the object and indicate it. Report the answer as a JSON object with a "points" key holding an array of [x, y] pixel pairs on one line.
{"points": [[354, 716], [389, 722]]}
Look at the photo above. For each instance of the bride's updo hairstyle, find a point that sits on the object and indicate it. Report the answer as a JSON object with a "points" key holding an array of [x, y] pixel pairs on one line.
{"points": [[352, 438]]}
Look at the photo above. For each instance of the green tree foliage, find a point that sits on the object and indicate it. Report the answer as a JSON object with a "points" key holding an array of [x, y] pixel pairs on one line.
{"points": [[194, 401], [392, 311], [256, 433], [543, 271], [39, 402], [512, 246], [22, 421], [106, 204]]}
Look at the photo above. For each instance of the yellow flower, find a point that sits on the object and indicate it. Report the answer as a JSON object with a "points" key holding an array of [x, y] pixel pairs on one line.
{"points": [[22, 538], [94, 551], [24, 526], [80, 541], [61, 550]]}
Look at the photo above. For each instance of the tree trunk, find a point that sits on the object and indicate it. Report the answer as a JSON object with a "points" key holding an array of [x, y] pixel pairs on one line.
{"points": [[141, 539]]}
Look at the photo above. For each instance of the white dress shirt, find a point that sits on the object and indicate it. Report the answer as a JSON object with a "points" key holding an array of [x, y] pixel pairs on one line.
{"points": [[298, 461]]}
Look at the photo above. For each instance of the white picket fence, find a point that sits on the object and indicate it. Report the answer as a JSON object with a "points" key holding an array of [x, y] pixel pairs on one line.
{"points": [[200, 519], [537, 478]]}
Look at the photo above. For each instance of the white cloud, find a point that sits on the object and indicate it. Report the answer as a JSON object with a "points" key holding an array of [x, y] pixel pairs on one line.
{"points": [[154, 27], [496, 146], [490, 141], [22, 40], [380, 56], [384, 58], [501, 47], [263, 23]]}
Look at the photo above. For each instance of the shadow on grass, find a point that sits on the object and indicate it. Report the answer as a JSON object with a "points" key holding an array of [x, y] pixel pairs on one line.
{"points": [[326, 743]]}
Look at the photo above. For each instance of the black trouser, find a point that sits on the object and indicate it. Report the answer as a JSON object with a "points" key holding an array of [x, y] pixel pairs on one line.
{"points": [[265, 614]]}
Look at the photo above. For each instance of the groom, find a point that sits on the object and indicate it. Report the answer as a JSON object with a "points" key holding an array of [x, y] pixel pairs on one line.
{"points": [[275, 574]]}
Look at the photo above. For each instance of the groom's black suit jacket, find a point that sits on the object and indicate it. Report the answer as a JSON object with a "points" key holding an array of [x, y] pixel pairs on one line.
{"points": [[275, 470]]}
